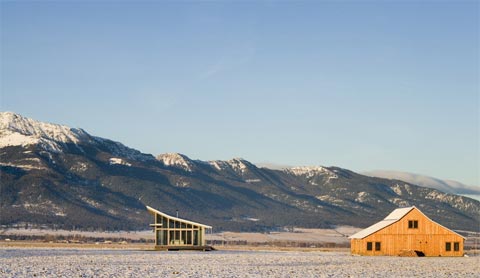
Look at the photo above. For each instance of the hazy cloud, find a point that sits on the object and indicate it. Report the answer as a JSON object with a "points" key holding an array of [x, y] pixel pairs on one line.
{"points": [[234, 57]]}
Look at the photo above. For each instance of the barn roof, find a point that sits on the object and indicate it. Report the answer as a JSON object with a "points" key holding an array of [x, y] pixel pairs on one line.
{"points": [[393, 217], [154, 211]]}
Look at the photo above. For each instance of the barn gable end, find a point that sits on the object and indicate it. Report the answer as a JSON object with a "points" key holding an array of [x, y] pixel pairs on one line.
{"points": [[407, 230]]}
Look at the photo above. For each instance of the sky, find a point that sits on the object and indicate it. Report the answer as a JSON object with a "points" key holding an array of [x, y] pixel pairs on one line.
{"points": [[363, 85]]}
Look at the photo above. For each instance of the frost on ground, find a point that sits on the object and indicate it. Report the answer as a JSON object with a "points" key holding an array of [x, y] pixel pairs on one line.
{"points": [[121, 263]]}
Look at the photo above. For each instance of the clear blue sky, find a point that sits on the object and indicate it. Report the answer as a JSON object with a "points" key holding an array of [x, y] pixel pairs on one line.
{"points": [[360, 85]]}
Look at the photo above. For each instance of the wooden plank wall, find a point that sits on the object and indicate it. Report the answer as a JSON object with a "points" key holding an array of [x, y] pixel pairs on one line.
{"points": [[429, 237]]}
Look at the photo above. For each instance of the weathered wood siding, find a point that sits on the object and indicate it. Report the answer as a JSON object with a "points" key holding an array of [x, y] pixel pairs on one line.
{"points": [[429, 238]]}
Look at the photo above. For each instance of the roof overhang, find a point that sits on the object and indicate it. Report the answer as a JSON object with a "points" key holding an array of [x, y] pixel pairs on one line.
{"points": [[154, 212]]}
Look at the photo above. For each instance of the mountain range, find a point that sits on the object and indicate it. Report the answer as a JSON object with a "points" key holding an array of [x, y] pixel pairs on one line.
{"points": [[62, 177], [448, 186]]}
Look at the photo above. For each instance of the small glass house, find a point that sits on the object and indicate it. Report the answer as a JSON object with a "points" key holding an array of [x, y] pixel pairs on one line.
{"points": [[173, 233]]}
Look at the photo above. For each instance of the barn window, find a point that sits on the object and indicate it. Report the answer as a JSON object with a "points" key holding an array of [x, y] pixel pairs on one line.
{"points": [[413, 224], [448, 246], [456, 246], [377, 246], [369, 246]]}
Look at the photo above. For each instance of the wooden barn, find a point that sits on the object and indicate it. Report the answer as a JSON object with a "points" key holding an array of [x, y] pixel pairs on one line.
{"points": [[407, 231], [173, 233]]}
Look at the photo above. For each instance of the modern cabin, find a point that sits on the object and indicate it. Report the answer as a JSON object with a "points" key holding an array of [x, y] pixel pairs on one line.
{"points": [[407, 230], [173, 233]]}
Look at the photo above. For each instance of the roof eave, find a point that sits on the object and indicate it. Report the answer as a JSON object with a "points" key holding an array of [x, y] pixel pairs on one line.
{"points": [[154, 211]]}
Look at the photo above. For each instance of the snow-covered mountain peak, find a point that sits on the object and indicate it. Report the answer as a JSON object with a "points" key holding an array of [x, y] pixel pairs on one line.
{"points": [[29, 127], [16, 130], [309, 171], [176, 160], [239, 164], [218, 164]]}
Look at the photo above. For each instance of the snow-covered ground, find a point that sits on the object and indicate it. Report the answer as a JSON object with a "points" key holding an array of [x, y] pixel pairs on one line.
{"points": [[338, 235], [135, 235], [121, 263]]}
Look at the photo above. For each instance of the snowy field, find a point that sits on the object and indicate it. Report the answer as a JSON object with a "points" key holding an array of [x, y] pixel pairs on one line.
{"points": [[120, 263]]}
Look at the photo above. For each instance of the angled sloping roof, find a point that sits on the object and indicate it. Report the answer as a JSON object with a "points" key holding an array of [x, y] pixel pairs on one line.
{"points": [[399, 213], [154, 211], [393, 217]]}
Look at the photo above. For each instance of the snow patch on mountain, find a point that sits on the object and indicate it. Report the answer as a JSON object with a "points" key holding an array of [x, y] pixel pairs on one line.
{"points": [[79, 167], [397, 189], [176, 160], [311, 171], [455, 200], [26, 164], [16, 139], [26, 167], [90, 202], [238, 165], [218, 164], [251, 219], [399, 202], [362, 197], [119, 161], [253, 180], [45, 206], [8, 139], [16, 130]]}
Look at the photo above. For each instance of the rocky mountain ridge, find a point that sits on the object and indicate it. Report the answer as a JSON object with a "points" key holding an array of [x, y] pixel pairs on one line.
{"points": [[447, 186], [58, 176]]}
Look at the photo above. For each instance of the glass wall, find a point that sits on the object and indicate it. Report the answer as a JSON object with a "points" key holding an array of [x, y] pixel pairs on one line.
{"points": [[172, 232]]}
